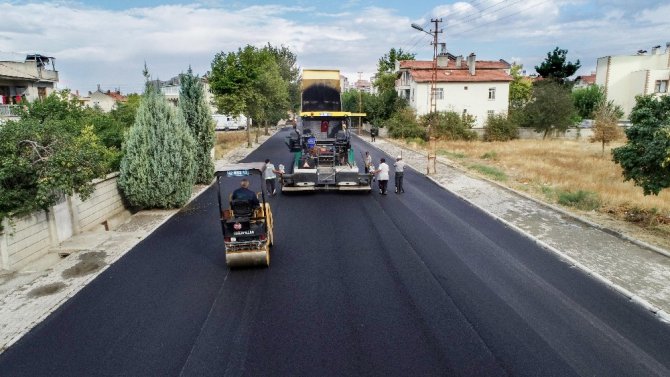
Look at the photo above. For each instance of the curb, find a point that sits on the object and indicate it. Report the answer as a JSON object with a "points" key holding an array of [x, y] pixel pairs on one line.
{"points": [[654, 248], [84, 283], [662, 315], [659, 313]]}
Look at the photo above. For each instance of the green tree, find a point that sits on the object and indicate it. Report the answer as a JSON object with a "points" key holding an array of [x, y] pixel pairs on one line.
{"points": [[158, 165], [551, 109], [645, 159], [385, 80], [606, 128], [199, 121], [50, 151], [520, 89], [287, 61], [499, 127], [247, 82], [587, 99], [556, 67]]}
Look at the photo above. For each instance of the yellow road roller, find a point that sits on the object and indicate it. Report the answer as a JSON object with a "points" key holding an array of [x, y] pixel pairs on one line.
{"points": [[246, 217]]}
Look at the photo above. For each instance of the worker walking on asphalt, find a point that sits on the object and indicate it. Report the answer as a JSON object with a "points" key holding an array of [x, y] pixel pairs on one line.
{"points": [[368, 162], [399, 166], [270, 175], [383, 176]]}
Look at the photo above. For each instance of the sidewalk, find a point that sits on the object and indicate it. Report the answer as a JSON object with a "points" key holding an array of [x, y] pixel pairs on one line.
{"points": [[27, 297], [640, 272]]}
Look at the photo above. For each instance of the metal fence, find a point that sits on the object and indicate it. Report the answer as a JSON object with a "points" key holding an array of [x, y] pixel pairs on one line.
{"points": [[9, 110]]}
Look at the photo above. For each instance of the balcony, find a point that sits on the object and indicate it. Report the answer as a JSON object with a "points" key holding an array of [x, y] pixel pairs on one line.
{"points": [[9, 111]]}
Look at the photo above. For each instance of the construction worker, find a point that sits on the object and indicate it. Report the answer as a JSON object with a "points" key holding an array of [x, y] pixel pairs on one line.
{"points": [[270, 175], [399, 166], [368, 162], [383, 176]]}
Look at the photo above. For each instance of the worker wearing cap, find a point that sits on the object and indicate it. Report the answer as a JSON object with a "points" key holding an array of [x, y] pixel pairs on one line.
{"points": [[399, 166]]}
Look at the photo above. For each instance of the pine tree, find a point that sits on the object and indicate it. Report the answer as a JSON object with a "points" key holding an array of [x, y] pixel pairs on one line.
{"points": [[157, 169], [199, 121]]}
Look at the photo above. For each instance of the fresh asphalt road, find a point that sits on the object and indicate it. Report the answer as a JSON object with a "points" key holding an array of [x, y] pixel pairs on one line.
{"points": [[419, 284]]}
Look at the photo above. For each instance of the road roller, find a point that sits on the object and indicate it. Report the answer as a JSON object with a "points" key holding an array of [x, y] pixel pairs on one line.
{"points": [[246, 217]]}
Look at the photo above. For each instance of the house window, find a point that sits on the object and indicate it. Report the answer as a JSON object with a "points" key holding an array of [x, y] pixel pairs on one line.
{"points": [[490, 113], [439, 93], [465, 88], [492, 94], [42, 93], [661, 86]]}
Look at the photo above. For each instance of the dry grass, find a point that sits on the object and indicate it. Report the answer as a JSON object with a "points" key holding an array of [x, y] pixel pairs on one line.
{"points": [[228, 140], [559, 171]]}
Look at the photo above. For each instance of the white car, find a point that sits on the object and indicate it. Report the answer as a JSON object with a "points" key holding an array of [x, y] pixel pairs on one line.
{"points": [[227, 123]]}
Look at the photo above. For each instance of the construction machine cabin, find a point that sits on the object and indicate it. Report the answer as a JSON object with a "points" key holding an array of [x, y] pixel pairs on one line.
{"points": [[323, 158]]}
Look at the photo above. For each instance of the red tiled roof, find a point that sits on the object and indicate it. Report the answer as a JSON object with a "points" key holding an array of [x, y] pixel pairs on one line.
{"points": [[461, 75], [116, 96], [588, 79], [480, 64]]}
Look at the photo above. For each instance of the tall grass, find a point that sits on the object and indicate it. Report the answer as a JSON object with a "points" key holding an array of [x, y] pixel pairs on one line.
{"points": [[228, 140]]}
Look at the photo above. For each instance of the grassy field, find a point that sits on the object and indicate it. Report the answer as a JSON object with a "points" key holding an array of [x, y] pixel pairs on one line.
{"points": [[227, 140], [565, 172]]}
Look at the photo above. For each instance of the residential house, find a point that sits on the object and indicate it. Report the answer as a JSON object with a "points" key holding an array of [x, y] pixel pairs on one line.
{"points": [[585, 81], [466, 86], [25, 80], [105, 101], [626, 76], [172, 87]]}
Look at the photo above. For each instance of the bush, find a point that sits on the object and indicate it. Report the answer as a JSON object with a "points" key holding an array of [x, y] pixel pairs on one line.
{"points": [[584, 200], [499, 127], [490, 171], [158, 166], [403, 124], [450, 125], [50, 151]]}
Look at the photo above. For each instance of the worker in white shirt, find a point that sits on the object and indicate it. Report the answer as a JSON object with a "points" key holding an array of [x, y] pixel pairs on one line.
{"points": [[399, 166], [270, 175], [368, 162], [383, 176]]}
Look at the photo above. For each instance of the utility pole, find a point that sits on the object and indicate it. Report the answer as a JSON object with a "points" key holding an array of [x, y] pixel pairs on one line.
{"points": [[432, 155], [433, 96], [360, 104]]}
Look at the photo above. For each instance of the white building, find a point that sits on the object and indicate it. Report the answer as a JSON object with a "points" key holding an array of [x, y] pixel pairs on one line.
{"points": [[466, 86], [172, 87], [626, 76], [105, 101], [25, 80]]}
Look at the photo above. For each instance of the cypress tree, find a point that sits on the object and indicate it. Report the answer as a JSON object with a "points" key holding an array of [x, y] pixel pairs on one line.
{"points": [[157, 169], [200, 122]]}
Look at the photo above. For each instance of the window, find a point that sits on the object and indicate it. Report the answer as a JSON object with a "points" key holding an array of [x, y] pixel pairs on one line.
{"points": [[439, 93], [661, 86], [465, 88], [42, 93], [490, 113], [492, 94]]}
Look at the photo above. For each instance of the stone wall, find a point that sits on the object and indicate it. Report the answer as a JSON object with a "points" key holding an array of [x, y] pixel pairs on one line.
{"points": [[27, 238]]}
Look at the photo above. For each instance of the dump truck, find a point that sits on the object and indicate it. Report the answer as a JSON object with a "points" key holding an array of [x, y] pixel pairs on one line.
{"points": [[323, 158]]}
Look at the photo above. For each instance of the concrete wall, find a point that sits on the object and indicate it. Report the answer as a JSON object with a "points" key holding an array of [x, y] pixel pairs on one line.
{"points": [[27, 238], [103, 101], [470, 96]]}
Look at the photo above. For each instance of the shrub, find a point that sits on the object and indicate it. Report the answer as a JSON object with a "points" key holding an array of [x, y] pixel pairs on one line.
{"points": [[450, 125], [490, 155], [403, 124], [490, 171], [584, 200], [499, 127], [157, 169]]}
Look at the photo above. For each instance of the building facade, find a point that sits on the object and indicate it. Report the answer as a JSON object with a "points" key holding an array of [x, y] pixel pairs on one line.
{"points": [[626, 76], [466, 86], [27, 80]]}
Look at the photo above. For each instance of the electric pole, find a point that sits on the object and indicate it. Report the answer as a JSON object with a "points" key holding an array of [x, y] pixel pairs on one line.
{"points": [[360, 103], [432, 156]]}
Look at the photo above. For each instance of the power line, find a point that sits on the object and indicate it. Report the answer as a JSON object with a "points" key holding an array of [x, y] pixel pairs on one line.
{"points": [[499, 19]]}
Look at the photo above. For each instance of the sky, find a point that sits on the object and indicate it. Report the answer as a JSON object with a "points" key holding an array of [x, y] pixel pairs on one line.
{"points": [[106, 43]]}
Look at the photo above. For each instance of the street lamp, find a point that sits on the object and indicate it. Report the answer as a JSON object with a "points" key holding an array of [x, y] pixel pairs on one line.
{"points": [[433, 99]]}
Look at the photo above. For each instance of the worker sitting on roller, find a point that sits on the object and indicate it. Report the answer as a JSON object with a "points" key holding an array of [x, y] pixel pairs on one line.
{"points": [[243, 194]]}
